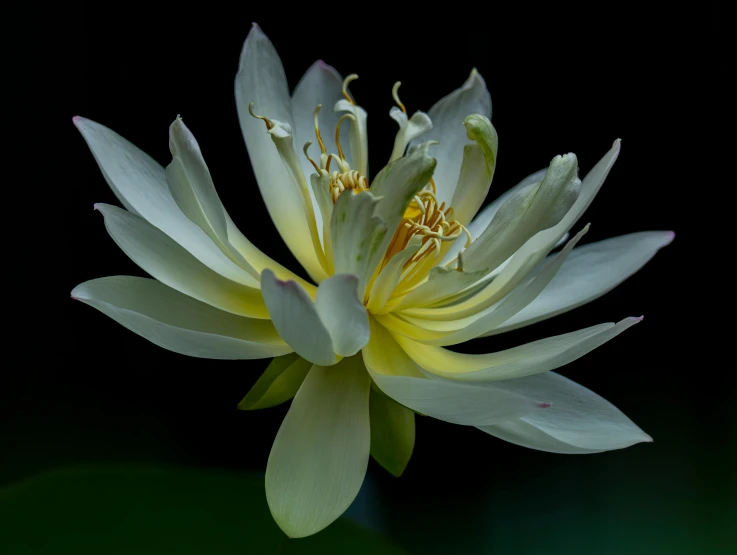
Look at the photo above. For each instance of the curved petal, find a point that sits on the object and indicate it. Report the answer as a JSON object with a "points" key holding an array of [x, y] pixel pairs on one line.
{"points": [[296, 319], [447, 117], [533, 358], [179, 323], [578, 417], [156, 253], [279, 383], [342, 314], [589, 272], [261, 80], [319, 458], [383, 353], [139, 182], [392, 432], [523, 434]]}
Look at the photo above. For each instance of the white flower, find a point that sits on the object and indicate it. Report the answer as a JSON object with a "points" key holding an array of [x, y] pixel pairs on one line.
{"points": [[405, 267]]}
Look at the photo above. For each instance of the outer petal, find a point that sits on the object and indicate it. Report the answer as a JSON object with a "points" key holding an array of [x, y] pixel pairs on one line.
{"points": [[447, 117], [280, 382], [392, 432], [589, 272], [539, 356], [578, 418], [342, 314], [139, 182], [523, 434], [261, 80], [320, 455], [168, 262], [296, 319], [179, 323]]}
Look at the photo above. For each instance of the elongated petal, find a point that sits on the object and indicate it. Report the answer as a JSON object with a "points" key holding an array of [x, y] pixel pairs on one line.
{"points": [[156, 253], [279, 383], [321, 84], [261, 80], [525, 213], [392, 432], [139, 182], [179, 323], [342, 314], [578, 418], [447, 117], [296, 319], [320, 455], [539, 356], [389, 275], [441, 283], [358, 153], [589, 272], [477, 169], [390, 368], [523, 434], [357, 236]]}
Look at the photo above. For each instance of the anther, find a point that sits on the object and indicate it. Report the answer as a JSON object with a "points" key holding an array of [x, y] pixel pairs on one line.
{"points": [[268, 123], [395, 96], [337, 133], [323, 150], [346, 81], [304, 149]]}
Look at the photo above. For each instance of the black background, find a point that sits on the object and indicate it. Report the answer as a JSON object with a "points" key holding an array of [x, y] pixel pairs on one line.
{"points": [[564, 78]]}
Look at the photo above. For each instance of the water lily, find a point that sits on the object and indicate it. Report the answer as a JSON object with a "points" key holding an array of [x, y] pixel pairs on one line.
{"points": [[403, 263]]}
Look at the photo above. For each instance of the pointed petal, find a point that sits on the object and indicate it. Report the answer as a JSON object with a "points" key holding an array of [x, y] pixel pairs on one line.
{"points": [[179, 323], [139, 182], [539, 356], [447, 117], [523, 434], [388, 278], [261, 80], [589, 272], [392, 432], [578, 417], [160, 256], [442, 283], [477, 168], [296, 319], [279, 383], [319, 458], [526, 213], [342, 314]]}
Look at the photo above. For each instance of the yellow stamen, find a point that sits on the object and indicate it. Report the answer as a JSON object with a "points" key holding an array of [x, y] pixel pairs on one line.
{"points": [[323, 150], [395, 96], [346, 81], [337, 133], [268, 123], [304, 149]]}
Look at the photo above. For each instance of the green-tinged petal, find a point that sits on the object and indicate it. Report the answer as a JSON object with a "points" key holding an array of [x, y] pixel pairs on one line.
{"points": [[441, 283], [392, 432], [447, 117], [342, 314], [539, 356], [357, 236], [139, 182], [589, 272], [532, 209], [278, 384], [578, 417], [179, 323], [388, 277], [409, 130], [383, 353], [477, 168], [261, 80], [523, 434], [156, 253], [452, 402], [319, 458], [296, 319]]}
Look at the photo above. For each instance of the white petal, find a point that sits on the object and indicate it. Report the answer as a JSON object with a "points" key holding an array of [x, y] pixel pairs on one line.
{"points": [[319, 458], [179, 323], [447, 117], [383, 354], [441, 283], [589, 272], [525, 213], [261, 80], [389, 275], [157, 254], [358, 154], [409, 130], [139, 182], [523, 434], [342, 314], [477, 168], [578, 417], [539, 356], [296, 319]]}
